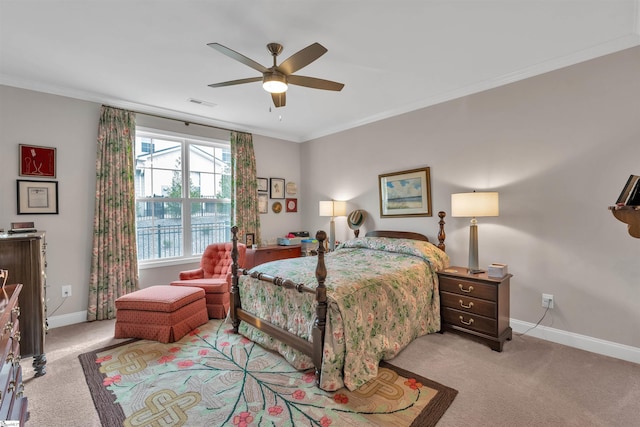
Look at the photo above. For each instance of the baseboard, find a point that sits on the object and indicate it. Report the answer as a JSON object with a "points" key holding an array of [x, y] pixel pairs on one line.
{"points": [[583, 342], [67, 319]]}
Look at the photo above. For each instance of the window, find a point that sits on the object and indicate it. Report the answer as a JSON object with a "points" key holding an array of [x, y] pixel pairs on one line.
{"points": [[165, 166]]}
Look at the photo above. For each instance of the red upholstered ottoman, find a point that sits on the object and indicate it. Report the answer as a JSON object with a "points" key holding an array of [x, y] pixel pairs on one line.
{"points": [[160, 313]]}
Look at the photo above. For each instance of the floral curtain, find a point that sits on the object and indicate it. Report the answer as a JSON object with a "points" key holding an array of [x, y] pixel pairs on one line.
{"points": [[244, 186], [114, 260]]}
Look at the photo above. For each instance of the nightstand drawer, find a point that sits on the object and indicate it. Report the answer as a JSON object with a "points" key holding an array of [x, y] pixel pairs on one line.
{"points": [[469, 321], [469, 288], [469, 304]]}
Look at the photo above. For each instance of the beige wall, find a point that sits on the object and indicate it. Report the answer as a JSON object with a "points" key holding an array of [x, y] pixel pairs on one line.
{"points": [[558, 148]]}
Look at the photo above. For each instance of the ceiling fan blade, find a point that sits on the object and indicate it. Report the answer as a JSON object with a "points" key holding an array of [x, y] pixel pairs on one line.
{"points": [[302, 58], [315, 83], [238, 57], [236, 82], [279, 99]]}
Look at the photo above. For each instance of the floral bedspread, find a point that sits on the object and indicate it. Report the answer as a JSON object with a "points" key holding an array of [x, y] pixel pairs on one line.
{"points": [[382, 293]]}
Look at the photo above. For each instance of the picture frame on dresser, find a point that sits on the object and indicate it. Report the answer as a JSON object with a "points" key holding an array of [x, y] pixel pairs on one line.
{"points": [[37, 197], [405, 193]]}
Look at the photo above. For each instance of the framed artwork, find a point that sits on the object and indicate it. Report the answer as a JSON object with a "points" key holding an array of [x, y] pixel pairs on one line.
{"points": [[292, 205], [406, 193], [263, 185], [263, 203], [249, 239], [37, 197], [292, 188], [277, 188], [276, 207], [37, 161]]}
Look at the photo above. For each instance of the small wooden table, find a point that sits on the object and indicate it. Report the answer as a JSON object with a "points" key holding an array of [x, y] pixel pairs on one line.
{"points": [[475, 304]]}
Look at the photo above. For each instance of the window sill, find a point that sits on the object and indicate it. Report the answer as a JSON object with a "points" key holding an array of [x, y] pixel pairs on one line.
{"points": [[144, 265]]}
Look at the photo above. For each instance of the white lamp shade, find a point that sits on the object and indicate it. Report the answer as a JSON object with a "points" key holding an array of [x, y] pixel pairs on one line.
{"points": [[332, 208], [475, 204]]}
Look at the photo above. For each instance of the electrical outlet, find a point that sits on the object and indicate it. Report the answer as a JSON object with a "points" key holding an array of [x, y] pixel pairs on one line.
{"points": [[547, 300], [66, 291]]}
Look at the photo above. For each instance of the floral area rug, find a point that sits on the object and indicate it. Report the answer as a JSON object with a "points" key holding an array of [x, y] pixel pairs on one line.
{"points": [[213, 377]]}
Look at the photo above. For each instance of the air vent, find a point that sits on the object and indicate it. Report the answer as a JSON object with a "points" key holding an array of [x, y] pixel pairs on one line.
{"points": [[200, 102]]}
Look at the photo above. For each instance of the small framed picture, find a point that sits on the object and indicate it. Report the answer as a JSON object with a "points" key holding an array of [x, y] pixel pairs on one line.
{"points": [[37, 161], [249, 239], [263, 185], [37, 197], [277, 188], [292, 205], [263, 203]]}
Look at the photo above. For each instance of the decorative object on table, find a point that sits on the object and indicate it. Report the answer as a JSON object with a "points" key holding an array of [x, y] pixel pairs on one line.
{"points": [[277, 188], [332, 208], [22, 227], [249, 239], [37, 197], [276, 207], [474, 205], [292, 205], [497, 270], [37, 161], [292, 188], [406, 193], [263, 185], [356, 219], [263, 203]]}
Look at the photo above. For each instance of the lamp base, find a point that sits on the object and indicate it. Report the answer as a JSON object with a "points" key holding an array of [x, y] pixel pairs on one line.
{"points": [[475, 271]]}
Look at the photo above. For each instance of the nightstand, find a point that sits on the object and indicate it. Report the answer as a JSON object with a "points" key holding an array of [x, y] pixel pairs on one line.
{"points": [[475, 304]]}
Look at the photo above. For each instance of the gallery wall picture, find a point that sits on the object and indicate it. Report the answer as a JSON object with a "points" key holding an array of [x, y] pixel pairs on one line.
{"points": [[37, 197], [277, 188], [37, 161]]}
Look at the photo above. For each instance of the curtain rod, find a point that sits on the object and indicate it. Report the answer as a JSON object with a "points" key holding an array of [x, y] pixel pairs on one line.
{"points": [[186, 122]]}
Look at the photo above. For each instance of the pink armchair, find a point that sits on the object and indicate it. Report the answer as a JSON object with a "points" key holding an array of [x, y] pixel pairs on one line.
{"points": [[214, 276]]}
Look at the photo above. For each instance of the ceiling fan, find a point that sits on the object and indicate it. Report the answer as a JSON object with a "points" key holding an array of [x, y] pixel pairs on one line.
{"points": [[276, 78]]}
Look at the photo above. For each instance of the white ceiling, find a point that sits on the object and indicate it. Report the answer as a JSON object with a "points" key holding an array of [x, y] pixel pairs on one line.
{"points": [[393, 56]]}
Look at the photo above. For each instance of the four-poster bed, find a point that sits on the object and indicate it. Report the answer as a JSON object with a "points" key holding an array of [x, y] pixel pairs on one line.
{"points": [[344, 311]]}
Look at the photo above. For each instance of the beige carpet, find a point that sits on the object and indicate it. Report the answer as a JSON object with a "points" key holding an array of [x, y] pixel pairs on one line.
{"points": [[531, 383]]}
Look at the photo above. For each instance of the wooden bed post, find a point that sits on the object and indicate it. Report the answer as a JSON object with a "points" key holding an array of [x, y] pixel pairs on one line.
{"points": [[321, 307], [441, 235], [235, 291]]}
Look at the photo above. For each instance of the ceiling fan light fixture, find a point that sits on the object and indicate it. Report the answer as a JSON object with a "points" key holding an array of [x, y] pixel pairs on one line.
{"points": [[274, 82]]}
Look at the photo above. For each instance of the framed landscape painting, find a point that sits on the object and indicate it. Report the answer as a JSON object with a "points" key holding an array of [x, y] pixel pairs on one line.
{"points": [[406, 193]]}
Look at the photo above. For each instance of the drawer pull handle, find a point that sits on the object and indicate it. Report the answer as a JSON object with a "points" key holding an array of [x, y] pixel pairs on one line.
{"points": [[466, 306], [470, 289], [469, 323]]}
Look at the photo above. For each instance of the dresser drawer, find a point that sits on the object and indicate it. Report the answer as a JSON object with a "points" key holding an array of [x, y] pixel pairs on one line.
{"points": [[469, 288], [469, 321], [469, 304]]}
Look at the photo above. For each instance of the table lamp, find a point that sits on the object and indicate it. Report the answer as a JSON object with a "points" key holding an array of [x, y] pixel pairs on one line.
{"points": [[333, 208], [474, 205]]}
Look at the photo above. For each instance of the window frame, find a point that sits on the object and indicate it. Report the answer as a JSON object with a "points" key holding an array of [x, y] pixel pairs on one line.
{"points": [[185, 141]]}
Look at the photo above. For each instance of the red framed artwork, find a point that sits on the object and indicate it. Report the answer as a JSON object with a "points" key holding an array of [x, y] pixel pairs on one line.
{"points": [[292, 205], [37, 161]]}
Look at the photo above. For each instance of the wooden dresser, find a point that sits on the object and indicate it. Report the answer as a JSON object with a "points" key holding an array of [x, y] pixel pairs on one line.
{"points": [[475, 304], [24, 256], [270, 253], [13, 405]]}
